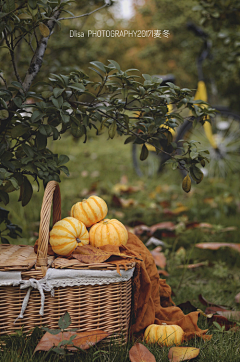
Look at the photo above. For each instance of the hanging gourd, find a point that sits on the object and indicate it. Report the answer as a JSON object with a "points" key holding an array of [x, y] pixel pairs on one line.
{"points": [[90, 210], [108, 231], [67, 234]]}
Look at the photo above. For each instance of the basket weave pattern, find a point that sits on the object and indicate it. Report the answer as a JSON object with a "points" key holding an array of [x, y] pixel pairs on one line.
{"points": [[105, 307]]}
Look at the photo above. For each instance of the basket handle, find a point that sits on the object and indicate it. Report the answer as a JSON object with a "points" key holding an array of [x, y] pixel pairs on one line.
{"points": [[51, 195]]}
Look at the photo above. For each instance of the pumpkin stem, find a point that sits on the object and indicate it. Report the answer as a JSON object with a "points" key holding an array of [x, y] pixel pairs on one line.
{"points": [[105, 222], [78, 240]]}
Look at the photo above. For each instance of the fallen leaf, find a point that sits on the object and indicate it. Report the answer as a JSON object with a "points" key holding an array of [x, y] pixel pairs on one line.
{"points": [[214, 310], [216, 246], [154, 241], [140, 353], [177, 354], [222, 321], [187, 306], [230, 314], [204, 301], [159, 258], [167, 225], [237, 298], [89, 254], [193, 266], [83, 340]]}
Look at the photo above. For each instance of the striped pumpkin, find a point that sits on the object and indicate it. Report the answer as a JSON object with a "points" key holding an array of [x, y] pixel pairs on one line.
{"points": [[90, 210], [164, 334], [67, 234], [108, 231]]}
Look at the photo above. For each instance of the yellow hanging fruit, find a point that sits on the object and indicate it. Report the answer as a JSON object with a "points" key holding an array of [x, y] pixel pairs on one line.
{"points": [[67, 234]]}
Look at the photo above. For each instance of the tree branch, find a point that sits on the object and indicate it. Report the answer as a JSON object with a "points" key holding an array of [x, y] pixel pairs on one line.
{"points": [[87, 14], [37, 58], [12, 56]]}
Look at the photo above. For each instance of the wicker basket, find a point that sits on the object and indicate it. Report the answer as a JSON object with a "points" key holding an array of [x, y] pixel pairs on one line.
{"points": [[99, 306]]}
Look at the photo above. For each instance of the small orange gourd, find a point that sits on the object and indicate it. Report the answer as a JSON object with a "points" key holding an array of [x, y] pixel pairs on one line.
{"points": [[108, 231], [67, 234], [90, 210], [164, 334]]}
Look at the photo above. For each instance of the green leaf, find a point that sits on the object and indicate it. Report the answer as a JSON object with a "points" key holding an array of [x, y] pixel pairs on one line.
{"points": [[115, 64], [130, 139], [65, 321], [14, 183], [41, 141], [65, 117], [112, 129], [36, 116], [3, 103], [99, 65], [17, 85], [77, 86], [59, 350], [144, 152], [57, 92], [28, 150], [77, 130], [24, 16], [32, 4], [47, 94], [18, 101], [26, 192], [4, 241], [42, 130], [10, 4], [3, 114], [4, 197], [62, 159], [147, 77], [19, 130], [65, 170], [196, 174]]}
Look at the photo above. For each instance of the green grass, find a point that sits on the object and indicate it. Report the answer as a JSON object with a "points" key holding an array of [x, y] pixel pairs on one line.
{"points": [[99, 165]]}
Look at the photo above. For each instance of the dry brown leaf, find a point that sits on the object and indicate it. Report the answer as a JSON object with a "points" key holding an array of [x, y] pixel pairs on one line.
{"points": [[167, 225], [159, 258], [193, 266], [177, 354], [83, 340], [216, 246], [140, 353], [89, 254], [230, 314]]}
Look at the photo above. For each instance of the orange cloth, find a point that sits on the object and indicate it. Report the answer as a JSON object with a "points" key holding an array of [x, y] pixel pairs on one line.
{"points": [[152, 303]]}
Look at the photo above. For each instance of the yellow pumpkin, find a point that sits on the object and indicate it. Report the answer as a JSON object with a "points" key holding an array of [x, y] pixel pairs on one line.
{"points": [[67, 234], [90, 210], [108, 231], [164, 334]]}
